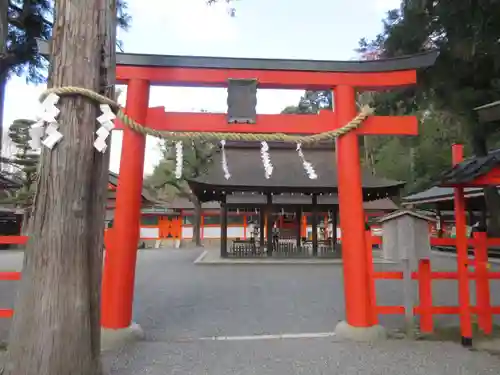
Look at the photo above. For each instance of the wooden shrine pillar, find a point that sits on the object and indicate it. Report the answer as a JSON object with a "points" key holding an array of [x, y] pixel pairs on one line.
{"points": [[262, 227], [120, 258], [223, 227], [352, 218], [269, 224], [314, 222], [335, 212], [298, 219], [470, 214], [462, 254], [484, 215], [440, 229]]}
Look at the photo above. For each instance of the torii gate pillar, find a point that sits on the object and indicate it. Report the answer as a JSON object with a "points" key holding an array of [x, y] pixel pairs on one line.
{"points": [[352, 218], [120, 258]]}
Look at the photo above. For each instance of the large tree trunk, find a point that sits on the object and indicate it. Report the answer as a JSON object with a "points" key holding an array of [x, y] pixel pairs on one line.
{"points": [[56, 323], [197, 219], [96, 216]]}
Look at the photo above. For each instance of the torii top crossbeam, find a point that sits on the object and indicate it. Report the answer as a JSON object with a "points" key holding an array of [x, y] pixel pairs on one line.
{"points": [[270, 73], [273, 73]]}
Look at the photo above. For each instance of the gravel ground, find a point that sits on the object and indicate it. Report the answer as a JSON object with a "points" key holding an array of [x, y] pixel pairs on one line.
{"points": [[294, 357], [177, 303]]}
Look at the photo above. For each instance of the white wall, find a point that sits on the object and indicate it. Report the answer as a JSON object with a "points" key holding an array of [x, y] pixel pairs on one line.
{"points": [[149, 233]]}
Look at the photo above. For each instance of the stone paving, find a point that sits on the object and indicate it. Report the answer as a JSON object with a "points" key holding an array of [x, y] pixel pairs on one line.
{"points": [[179, 303]]}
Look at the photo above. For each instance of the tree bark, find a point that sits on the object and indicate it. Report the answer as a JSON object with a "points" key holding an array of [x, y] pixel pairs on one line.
{"points": [[197, 219], [55, 330]]}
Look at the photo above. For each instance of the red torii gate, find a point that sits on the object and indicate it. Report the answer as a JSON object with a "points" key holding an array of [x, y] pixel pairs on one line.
{"points": [[139, 72]]}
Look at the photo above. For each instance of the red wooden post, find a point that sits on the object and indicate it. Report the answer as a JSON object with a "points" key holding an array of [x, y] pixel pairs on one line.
{"points": [[482, 283], [462, 255], [371, 279], [245, 225], [352, 221], [120, 258], [303, 227], [425, 296]]}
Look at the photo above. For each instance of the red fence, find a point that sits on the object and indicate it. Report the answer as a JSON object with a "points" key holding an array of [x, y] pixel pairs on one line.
{"points": [[14, 276], [446, 241], [425, 276], [10, 276]]}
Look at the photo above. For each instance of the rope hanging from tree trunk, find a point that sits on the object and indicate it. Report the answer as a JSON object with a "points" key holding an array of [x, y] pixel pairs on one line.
{"points": [[207, 136]]}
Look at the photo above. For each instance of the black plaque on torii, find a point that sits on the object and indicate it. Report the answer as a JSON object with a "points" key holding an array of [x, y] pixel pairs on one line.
{"points": [[242, 101]]}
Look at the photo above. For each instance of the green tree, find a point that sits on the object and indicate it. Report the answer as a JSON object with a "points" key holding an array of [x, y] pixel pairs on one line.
{"points": [[25, 21], [430, 151], [311, 103], [465, 75], [164, 184], [24, 163], [231, 9], [22, 23]]}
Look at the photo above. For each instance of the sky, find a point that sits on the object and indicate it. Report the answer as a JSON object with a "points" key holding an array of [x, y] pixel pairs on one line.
{"points": [[323, 30]]}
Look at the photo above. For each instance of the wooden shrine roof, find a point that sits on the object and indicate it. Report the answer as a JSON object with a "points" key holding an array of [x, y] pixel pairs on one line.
{"points": [[8, 183], [470, 169], [113, 180], [438, 194], [238, 201], [489, 112], [247, 174]]}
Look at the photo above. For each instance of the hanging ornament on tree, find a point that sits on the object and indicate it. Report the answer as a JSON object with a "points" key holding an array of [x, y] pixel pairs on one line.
{"points": [[36, 131], [266, 159], [179, 159], [48, 116], [308, 167], [225, 168], [106, 121]]}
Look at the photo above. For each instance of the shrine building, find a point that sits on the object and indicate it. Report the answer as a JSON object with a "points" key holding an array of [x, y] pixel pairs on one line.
{"points": [[281, 209]]}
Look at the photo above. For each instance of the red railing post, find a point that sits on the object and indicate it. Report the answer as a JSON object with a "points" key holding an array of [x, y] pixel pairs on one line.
{"points": [[371, 279], [462, 255], [483, 302], [425, 296]]}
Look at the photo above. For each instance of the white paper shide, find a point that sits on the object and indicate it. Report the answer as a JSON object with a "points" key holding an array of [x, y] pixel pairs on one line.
{"points": [[308, 167], [107, 125], [179, 159], [225, 167], [266, 159], [45, 131]]}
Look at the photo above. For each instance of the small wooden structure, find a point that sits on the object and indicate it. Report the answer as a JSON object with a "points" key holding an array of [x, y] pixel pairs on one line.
{"points": [[406, 239], [406, 236]]}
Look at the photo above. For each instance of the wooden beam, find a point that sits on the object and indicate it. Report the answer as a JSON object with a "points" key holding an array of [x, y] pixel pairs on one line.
{"points": [[158, 119], [268, 79]]}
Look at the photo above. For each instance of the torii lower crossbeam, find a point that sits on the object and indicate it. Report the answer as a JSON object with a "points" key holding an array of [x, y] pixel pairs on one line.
{"points": [[158, 119]]}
